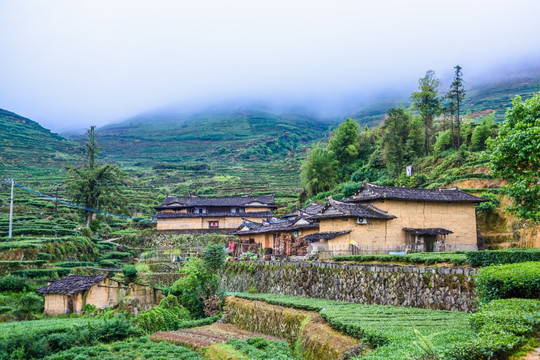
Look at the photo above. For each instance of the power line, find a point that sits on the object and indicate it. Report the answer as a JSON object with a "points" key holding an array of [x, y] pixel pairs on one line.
{"points": [[68, 203]]}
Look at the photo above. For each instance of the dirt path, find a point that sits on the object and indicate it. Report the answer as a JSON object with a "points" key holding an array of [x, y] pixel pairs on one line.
{"points": [[535, 355], [207, 335]]}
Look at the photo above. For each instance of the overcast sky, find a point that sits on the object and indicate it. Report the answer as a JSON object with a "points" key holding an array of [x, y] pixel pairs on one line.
{"points": [[72, 63]]}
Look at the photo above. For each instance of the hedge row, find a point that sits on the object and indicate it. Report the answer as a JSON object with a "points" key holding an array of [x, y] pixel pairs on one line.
{"points": [[502, 327], [39, 273], [498, 257], [520, 280], [72, 264], [414, 258], [472, 258]]}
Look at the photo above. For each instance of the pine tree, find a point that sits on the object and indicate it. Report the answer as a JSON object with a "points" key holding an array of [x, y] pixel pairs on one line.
{"points": [[456, 94]]}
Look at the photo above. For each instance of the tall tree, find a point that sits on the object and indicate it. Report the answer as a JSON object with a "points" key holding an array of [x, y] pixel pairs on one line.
{"points": [[515, 156], [427, 102], [456, 94], [95, 186], [396, 129], [344, 142], [319, 171]]}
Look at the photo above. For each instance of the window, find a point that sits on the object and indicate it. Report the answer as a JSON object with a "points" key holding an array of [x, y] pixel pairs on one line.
{"points": [[213, 224]]}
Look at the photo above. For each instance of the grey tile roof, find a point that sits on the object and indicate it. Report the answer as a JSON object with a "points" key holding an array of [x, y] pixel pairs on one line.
{"points": [[369, 192], [241, 201], [260, 228], [261, 214], [324, 235], [312, 209], [71, 284], [337, 209]]}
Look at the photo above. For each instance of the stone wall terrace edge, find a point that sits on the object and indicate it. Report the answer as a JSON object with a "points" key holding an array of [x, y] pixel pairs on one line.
{"points": [[429, 287]]}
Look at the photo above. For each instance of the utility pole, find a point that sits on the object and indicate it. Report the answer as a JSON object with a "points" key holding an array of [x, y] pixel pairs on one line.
{"points": [[11, 209]]}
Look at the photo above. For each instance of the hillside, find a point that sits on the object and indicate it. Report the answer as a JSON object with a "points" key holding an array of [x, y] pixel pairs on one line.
{"points": [[24, 142], [493, 93]]}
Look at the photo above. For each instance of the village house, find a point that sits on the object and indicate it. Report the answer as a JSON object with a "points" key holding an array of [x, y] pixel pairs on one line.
{"points": [[382, 219], [280, 235], [198, 214], [70, 294]]}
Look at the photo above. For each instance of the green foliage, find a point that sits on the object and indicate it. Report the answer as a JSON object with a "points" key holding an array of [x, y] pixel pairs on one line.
{"points": [[130, 272], [168, 315], [389, 329], [14, 283], [520, 280], [41, 338], [415, 258], [488, 206], [197, 284], [44, 256], [262, 349], [398, 146], [140, 348], [427, 102], [213, 258], [344, 142], [501, 326], [443, 142], [319, 171], [482, 132], [30, 303], [498, 257], [514, 156], [42, 273]]}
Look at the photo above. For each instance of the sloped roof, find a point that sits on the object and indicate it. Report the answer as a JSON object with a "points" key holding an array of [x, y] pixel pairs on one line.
{"points": [[71, 284], [311, 209], [324, 235], [260, 214], [428, 231], [242, 201], [369, 192], [336, 209], [261, 228]]}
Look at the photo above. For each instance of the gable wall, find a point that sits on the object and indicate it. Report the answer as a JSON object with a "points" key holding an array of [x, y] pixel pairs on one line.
{"points": [[55, 304], [457, 217]]}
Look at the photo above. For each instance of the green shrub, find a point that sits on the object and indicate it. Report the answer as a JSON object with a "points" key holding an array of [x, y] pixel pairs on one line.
{"points": [[168, 315], [13, 283], [30, 303], [130, 272], [415, 258], [498, 257], [72, 264], [502, 326], [119, 255], [44, 256], [40, 273], [214, 258], [520, 280]]}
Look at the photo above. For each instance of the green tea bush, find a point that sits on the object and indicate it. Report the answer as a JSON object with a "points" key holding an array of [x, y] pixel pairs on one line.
{"points": [[140, 348], [502, 327], [520, 280], [40, 273], [14, 283], [44, 256], [119, 255], [261, 349], [499, 257], [415, 258], [72, 264], [41, 338]]}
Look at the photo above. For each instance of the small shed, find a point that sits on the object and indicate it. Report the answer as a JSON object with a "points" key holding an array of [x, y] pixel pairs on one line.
{"points": [[70, 294], [429, 240]]}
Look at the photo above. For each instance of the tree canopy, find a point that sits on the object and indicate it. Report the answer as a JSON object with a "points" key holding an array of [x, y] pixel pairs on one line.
{"points": [[319, 171], [428, 104], [96, 186], [515, 156]]}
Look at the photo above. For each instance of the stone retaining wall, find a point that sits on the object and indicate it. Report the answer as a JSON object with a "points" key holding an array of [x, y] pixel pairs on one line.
{"points": [[441, 288]]}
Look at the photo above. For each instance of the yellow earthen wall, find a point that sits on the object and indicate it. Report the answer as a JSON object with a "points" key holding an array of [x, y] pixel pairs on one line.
{"points": [[56, 304], [388, 234], [102, 296], [201, 222], [457, 217], [267, 239]]}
